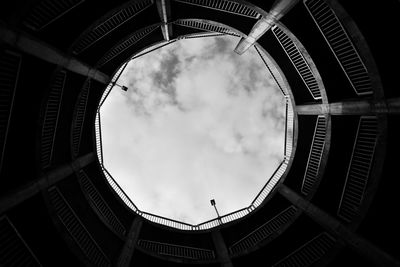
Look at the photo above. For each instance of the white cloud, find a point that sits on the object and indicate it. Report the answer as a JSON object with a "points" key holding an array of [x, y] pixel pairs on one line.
{"points": [[198, 122]]}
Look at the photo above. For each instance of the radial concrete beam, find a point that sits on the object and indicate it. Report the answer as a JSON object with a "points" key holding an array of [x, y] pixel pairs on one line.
{"points": [[124, 259], [45, 181], [164, 10], [37, 48], [360, 245], [278, 10], [362, 107]]}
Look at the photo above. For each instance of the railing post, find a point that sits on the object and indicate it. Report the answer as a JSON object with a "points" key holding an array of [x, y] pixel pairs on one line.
{"points": [[221, 249], [126, 254]]}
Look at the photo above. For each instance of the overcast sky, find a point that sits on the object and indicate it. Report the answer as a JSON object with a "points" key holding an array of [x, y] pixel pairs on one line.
{"points": [[198, 122]]}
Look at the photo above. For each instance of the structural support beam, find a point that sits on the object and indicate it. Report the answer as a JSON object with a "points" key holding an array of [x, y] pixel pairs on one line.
{"points": [[164, 10], [362, 246], [222, 250], [126, 254], [278, 10], [362, 107], [34, 47], [45, 181]]}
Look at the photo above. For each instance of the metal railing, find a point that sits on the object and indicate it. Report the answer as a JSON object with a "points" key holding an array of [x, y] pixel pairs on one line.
{"points": [[278, 77], [165, 43], [341, 45], [13, 249], [76, 229], [48, 11], [131, 40], [299, 62], [79, 118], [106, 93], [236, 214], [201, 35], [269, 186], [114, 185], [359, 168], [100, 204], [309, 253], [110, 24], [176, 250], [152, 48], [97, 129], [258, 200], [315, 156], [50, 120], [226, 6], [261, 196], [205, 25], [232, 216], [289, 131], [264, 231], [110, 86], [166, 221], [10, 64], [272, 68]]}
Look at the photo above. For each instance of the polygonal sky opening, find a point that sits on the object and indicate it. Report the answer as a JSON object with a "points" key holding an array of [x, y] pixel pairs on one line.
{"points": [[198, 122]]}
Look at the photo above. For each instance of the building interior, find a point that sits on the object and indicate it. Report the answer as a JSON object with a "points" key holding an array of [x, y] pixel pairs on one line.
{"points": [[334, 203]]}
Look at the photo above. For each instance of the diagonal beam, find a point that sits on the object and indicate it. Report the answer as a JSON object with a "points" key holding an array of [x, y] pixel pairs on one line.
{"points": [[360, 245], [278, 10], [126, 253], [45, 181], [390, 106], [44, 51], [164, 10]]}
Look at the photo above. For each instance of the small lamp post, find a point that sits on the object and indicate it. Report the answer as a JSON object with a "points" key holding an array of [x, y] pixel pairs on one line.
{"points": [[212, 201], [123, 87]]}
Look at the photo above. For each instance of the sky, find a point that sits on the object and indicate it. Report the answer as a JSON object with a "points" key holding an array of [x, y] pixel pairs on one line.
{"points": [[198, 122]]}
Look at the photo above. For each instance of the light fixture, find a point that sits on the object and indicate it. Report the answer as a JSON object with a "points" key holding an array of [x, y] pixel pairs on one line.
{"points": [[123, 87], [212, 201]]}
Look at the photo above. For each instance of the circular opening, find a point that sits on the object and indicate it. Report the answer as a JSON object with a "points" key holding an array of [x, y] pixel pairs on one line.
{"points": [[194, 122]]}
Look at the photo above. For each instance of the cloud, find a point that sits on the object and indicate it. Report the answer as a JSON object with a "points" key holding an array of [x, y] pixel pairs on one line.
{"points": [[198, 122]]}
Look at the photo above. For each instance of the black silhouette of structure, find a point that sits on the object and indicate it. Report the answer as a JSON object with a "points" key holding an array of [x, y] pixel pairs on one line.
{"points": [[336, 203]]}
